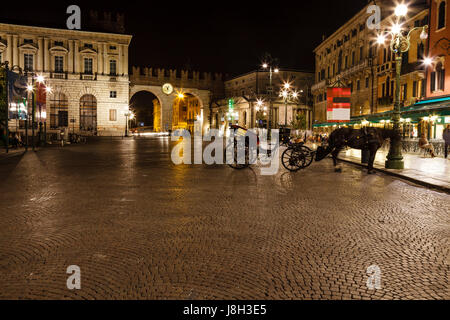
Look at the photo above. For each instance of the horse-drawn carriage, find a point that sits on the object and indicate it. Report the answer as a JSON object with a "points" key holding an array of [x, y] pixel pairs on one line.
{"points": [[296, 157]]}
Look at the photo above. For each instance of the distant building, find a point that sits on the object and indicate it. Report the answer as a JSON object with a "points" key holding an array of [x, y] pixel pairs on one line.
{"points": [[245, 90]]}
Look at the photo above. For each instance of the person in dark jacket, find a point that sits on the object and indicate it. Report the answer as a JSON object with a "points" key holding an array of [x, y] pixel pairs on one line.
{"points": [[446, 137]]}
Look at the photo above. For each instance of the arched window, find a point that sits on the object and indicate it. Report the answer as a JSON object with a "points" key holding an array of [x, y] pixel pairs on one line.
{"points": [[441, 15], [59, 111], [88, 113]]}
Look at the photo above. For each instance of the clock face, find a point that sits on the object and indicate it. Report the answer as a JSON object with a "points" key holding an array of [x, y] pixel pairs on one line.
{"points": [[167, 88]]}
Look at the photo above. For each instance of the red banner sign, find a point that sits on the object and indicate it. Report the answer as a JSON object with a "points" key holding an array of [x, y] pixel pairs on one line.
{"points": [[41, 103], [338, 104]]}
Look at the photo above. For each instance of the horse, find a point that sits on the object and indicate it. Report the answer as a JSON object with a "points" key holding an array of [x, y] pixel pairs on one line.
{"points": [[363, 139]]}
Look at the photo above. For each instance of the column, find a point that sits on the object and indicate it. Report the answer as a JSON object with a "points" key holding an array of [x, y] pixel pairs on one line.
{"points": [[70, 57], [100, 59], [15, 58], [77, 57], [125, 60], [105, 58], [47, 65], [120, 61], [39, 58], [9, 49]]}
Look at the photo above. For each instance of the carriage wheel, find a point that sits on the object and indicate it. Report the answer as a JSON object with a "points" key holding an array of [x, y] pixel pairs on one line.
{"points": [[293, 160], [308, 155]]}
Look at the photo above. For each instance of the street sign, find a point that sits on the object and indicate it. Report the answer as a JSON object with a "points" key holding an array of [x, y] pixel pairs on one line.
{"points": [[338, 104]]}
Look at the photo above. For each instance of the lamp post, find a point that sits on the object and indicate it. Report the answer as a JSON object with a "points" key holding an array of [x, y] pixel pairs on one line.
{"points": [[39, 79], [127, 114], [399, 44], [288, 95], [269, 65]]}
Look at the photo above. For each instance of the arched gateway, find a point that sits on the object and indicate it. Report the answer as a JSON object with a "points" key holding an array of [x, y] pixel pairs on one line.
{"points": [[192, 84]]}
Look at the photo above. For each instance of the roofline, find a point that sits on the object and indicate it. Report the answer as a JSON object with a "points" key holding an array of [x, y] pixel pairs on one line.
{"points": [[74, 32], [420, 9], [263, 71]]}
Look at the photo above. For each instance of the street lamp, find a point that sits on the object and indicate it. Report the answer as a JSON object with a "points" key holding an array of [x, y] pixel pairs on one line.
{"points": [[39, 79], [272, 70], [288, 95], [399, 44], [127, 115]]}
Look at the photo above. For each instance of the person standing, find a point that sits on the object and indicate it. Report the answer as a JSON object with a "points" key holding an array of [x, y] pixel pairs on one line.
{"points": [[446, 137]]}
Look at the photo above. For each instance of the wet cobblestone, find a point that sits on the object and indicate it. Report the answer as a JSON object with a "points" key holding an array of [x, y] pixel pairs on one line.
{"points": [[141, 228]]}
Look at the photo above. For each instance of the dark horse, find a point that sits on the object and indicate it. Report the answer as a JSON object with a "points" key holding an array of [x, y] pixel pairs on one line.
{"points": [[370, 139]]}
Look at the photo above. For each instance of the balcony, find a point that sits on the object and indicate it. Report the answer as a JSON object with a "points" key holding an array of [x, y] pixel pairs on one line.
{"points": [[320, 85], [88, 76], [59, 75], [412, 67], [361, 66]]}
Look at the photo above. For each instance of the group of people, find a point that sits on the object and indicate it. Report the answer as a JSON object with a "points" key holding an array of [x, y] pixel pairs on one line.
{"points": [[424, 144], [14, 138]]}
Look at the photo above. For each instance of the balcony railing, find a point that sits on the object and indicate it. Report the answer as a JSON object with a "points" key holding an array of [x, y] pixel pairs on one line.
{"points": [[59, 75], [88, 76], [356, 68], [319, 85]]}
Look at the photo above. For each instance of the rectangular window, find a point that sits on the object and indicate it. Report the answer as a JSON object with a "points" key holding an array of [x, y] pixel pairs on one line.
{"points": [[27, 41], [88, 65], [361, 53], [28, 62], [112, 67], [113, 94], [433, 82], [112, 115], [358, 85], [367, 83], [404, 92], [59, 44], [415, 89], [112, 48], [59, 64]]}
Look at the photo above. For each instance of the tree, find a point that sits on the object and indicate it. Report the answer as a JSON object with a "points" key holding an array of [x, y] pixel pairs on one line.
{"points": [[299, 123]]}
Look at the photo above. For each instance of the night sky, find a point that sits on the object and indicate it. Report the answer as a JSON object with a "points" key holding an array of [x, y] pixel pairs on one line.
{"points": [[216, 36]]}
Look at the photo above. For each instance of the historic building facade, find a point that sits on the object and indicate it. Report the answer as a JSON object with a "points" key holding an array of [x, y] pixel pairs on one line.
{"points": [[351, 57], [346, 58], [87, 72], [246, 90], [413, 74]]}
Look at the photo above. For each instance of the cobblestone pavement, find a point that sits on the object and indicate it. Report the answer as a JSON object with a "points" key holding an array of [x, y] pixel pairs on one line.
{"points": [[141, 228]]}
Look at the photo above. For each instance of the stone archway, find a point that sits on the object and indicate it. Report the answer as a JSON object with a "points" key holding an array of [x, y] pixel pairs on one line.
{"points": [[167, 102], [152, 113]]}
